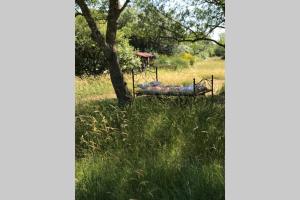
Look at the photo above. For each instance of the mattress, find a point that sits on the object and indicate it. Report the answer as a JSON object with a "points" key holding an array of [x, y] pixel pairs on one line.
{"points": [[157, 88]]}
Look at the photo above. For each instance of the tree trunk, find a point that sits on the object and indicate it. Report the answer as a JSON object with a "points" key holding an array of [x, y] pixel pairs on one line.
{"points": [[109, 45], [120, 86]]}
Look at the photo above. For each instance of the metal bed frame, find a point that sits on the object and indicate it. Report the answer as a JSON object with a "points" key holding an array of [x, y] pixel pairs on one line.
{"points": [[210, 82]]}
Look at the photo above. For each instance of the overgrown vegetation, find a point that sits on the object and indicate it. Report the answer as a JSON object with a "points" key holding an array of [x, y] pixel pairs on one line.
{"points": [[152, 147], [90, 59], [168, 148], [171, 62]]}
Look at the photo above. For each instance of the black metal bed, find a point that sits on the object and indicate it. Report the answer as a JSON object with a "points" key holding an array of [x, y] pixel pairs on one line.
{"points": [[207, 83]]}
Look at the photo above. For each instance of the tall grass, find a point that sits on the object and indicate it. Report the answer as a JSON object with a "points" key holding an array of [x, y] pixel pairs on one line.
{"points": [[156, 148]]}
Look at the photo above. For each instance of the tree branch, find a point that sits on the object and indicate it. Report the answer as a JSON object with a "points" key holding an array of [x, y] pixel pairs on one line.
{"points": [[194, 40], [78, 13], [124, 6], [96, 34], [170, 18], [204, 39], [217, 26]]}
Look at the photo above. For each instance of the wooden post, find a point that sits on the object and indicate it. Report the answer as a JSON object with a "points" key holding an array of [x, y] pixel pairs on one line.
{"points": [[133, 93], [194, 86], [156, 74]]}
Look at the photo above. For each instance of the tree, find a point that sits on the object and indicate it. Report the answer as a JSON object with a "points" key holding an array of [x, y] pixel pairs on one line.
{"points": [[108, 42], [186, 20], [146, 32]]}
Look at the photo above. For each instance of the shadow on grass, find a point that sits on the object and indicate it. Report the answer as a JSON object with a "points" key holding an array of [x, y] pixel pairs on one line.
{"points": [[149, 179], [156, 148]]}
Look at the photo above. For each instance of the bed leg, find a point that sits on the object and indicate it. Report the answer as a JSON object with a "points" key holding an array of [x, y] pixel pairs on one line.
{"points": [[212, 86], [194, 87], [133, 92]]}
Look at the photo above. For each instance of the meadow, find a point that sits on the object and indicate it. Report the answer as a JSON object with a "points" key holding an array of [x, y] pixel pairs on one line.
{"points": [[155, 148]]}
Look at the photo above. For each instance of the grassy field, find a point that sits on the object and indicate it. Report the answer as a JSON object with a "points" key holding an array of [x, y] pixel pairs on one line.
{"points": [[167, 148]]}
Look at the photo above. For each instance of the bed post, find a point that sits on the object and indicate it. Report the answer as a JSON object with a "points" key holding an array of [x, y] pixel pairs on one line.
{"points": [[212, 86], [156, 74], [133, 93], [194, 86]]}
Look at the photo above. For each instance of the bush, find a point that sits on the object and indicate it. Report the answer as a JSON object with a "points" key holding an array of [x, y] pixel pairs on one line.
{"points": [[126, 53], [183, 48], [199, 49], [90, 59], [171, 62], [188, 57], [220, 52], [204, 55]]}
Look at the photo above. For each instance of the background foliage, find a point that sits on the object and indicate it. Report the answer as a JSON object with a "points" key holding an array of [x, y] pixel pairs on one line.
{"points": [[142, 29], [89, 58]]}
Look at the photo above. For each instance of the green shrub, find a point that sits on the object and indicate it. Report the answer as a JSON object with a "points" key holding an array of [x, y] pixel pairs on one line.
{"points": [[203, 54], [199, 49], [126, 53], [171, 62], [90, 59], [220, 52], [177, 62], [188, 57], [183, 48]]}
